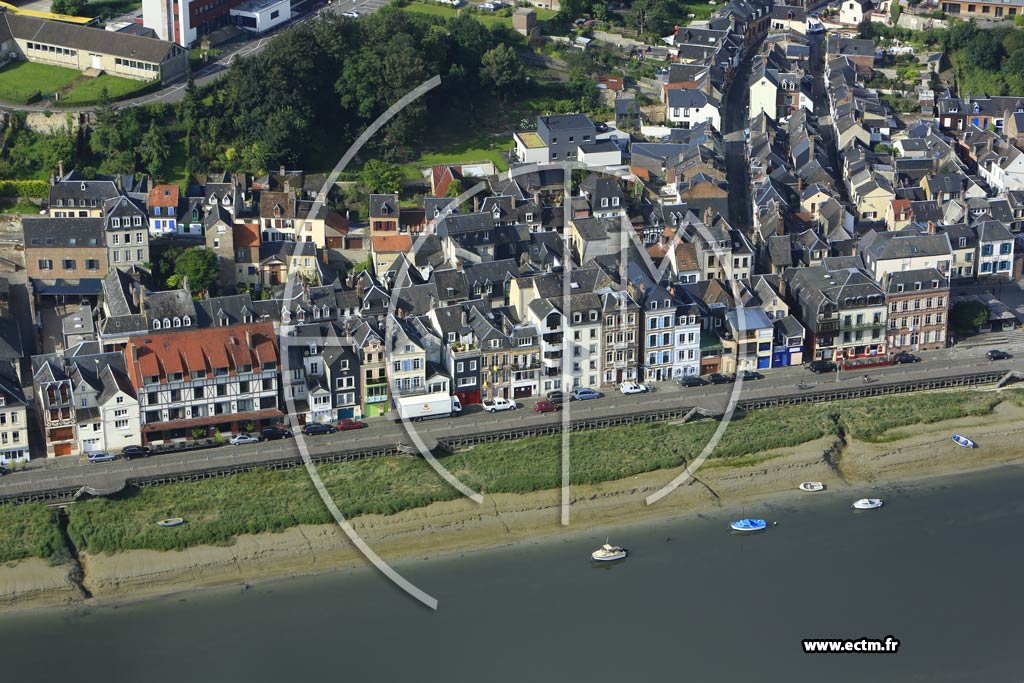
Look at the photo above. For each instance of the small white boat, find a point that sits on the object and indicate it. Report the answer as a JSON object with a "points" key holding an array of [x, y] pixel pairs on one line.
{"points": [[608, 553], [749, 525], [963, 441], [868, 504], [172, 521], [812, 486]]}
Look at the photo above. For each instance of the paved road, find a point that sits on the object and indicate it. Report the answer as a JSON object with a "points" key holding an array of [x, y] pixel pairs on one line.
{"points": [[737, 163], [821, 110], [69, 472]]}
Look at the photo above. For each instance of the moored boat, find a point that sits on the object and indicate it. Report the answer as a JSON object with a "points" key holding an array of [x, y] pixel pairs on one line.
{"points": [[812, 486], [868, 504], [963, 441], [608, 553], [749, 525], [171, 521]]}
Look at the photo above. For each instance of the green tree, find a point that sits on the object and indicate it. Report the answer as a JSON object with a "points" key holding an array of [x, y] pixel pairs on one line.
{"points": [[153, 150], [599, 10], [502, 68], [380, 177], [968, 316], [200, 266], [69, 7]]}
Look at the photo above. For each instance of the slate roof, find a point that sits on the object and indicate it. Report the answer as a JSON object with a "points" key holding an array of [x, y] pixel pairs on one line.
{"points": [[63, 232]]}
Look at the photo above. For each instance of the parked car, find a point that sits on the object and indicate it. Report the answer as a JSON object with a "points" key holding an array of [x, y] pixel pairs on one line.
{"points": [[242, 439], [314, 428], [904, 357], [129, 452], [820, 366], [101, 456], [719, 378], [351, 14], [546, 407], [584, 394], [628, 388], [692, 381], [556, 397], [274, 433], [5, 470], [749, 375], [347, 423], [996, 354], [494, 405]]}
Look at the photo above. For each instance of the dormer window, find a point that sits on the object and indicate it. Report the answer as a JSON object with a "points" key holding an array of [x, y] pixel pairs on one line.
{"points": [[496, 212], [156, 324], [451, 337], [212, 200], [615, 201], [177, 321], [576, 317], [186, 321], [529, 217], [977, 108], [115, 222], [604, 202], [962, 242], [167, 323]]}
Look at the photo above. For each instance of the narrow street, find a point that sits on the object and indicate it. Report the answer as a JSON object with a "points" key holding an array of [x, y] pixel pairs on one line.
{"points": [[821, 111], [734, 122]]}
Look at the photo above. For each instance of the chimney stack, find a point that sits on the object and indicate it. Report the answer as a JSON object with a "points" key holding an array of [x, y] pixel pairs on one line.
{"points": [[476, 203], [60, 169], [184, 285], [282, 169], [931, 227], [248, 339], [707, 215]]}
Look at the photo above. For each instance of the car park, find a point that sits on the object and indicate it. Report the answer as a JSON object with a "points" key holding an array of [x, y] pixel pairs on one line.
{"points": [[556, 397], [546, 407], [494, 405], [584, 394], [101, 456], [628, 388], [242, 439], [347, 423], [129, 452], [749, 375], [904, 357], [719, 378], [315, 428], [274, 433], [820, 366], [693, 381], [996, 354]]}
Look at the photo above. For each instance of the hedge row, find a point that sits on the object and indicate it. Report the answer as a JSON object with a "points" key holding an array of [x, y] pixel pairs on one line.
{"points": [[37, 189]]}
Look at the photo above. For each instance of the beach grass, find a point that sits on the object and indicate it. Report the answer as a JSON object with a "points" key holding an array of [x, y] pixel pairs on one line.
{"points": [[264, 501], [30, 530]]}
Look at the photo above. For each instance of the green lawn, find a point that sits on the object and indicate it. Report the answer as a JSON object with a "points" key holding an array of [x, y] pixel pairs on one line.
{"points": [[217, 510], [21, 81], [488, 19], [91, 90], [21, 206]]}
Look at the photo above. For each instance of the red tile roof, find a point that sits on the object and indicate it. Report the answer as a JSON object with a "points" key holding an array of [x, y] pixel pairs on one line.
{"points": [[391, 243], [203, 349], [247, 235], [163, 195]]}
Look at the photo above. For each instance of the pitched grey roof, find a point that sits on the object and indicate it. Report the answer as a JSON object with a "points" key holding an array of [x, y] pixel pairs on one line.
{"points": [[63, 232]]}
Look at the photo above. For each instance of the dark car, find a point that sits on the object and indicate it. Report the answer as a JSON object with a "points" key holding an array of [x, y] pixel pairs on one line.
{"points": [[347, 423], [556, 397], [129, 452], [693, 381], [820, 366], [314, 428], [904, 357], [274, 433], [719, 378], [996, 354], [546, 407], [749, 375], [5, 470]]}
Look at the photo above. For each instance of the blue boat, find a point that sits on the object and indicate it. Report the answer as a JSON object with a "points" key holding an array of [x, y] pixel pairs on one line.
{"points": [[962, 441], [748, 525]]}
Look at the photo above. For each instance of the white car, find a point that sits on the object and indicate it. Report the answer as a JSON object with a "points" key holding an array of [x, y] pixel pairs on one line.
{"points": [[633, 388], [241, 439], [352, 14], [493, 405]]}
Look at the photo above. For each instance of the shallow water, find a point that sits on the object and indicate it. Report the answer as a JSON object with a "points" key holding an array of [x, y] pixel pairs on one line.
{"points": [[938, 567]]}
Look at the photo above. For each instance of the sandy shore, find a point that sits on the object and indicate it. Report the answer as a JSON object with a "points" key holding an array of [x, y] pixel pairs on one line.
{"points": [[444, 528]]}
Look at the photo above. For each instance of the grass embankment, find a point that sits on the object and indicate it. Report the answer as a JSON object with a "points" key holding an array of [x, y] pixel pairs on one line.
{"points": [[90, 91], [30, 530], [262, 501], [488, 19]]}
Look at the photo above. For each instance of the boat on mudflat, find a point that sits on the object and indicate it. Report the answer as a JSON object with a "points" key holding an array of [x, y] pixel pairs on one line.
{"points": [[868, 504], [812, 486], [749, 525], [172, 521], [608, 553], [963, 441]]}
